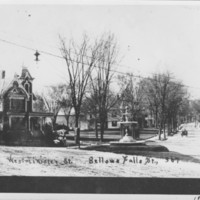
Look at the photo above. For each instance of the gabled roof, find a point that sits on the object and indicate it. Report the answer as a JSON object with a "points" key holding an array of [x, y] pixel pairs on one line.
{"points": [[25, 73], [10, 86], [111, 118]]}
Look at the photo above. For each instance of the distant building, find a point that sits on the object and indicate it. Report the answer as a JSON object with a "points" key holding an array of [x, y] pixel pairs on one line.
{"points": [[86, 121], [113, 119], [63, 114], [19, 122]]}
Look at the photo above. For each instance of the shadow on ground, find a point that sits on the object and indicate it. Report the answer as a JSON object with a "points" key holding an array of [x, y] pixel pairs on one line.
{"points": [[156, 151]]}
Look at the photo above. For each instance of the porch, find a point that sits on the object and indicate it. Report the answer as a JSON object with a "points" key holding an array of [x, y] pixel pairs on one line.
{"points": [[21, 129]]}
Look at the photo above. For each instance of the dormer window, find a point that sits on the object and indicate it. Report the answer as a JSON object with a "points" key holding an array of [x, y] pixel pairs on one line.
{"points": [[15, 86]]}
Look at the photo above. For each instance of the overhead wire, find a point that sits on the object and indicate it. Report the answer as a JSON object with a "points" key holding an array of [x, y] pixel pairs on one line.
{"points": [[54, 47], [58, 72], [61, 57]]}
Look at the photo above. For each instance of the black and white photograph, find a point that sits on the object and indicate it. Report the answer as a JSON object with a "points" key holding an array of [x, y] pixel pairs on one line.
{"points": [[100, 91]]}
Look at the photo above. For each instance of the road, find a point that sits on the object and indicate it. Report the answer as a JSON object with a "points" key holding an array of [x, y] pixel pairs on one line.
{"points": [[40, 161], [185, 145]]}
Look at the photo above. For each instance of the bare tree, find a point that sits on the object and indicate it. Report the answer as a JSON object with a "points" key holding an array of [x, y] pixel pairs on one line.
{"points": [[195, 110], [177, 94], [89, 107], [185, 109], [92, 105], [39, 104], [80, 61], [102, 77], [164, 97], [151, 96], [57, 97]]}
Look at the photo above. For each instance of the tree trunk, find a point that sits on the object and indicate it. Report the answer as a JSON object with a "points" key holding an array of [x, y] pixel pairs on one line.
{"points": [[96, 128], [67, 115], [159, 133], [76, 121], [68, 121], [102, 122], [172, 126], [54, 120], [164, 129], [103, 119], [169, 128], [176, 122], [156, 119], [77, 130], [102, 130], [164, 133], [161, 127]]}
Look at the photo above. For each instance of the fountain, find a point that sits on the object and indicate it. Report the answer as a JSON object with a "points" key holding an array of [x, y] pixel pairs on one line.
{"points": [[127, 131], [128, 143]]}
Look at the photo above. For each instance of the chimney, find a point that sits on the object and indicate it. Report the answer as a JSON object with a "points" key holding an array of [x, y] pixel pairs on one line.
{"points": [[3, 74]]}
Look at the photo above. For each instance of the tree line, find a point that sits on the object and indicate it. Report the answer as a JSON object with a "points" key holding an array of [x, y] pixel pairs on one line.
{"points": [[95, 88]]}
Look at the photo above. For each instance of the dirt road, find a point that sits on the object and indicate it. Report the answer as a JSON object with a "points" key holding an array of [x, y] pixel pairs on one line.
{"points": [[184, 145]]}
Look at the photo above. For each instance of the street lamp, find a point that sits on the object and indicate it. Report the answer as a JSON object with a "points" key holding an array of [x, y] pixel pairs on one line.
{"points": [[36, 56]]}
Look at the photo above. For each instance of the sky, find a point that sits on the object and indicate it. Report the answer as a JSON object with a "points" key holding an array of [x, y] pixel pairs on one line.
{"points": [[151, 38]]}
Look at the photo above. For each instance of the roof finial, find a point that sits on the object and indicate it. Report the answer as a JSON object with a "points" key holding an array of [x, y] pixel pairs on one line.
{"points": [[16, 76], [23, 66]]}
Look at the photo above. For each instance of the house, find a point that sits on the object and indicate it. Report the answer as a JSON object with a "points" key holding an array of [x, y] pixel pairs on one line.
{"points": [[86, 121], [113, 119], [67, 117], [21, 124]]}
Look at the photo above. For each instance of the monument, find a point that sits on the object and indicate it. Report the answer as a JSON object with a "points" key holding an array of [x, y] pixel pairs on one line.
{"points": [[128, 144], [127, 131]]}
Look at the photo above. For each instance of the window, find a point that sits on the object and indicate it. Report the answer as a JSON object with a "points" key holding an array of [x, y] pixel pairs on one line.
{"points": [[17, 105], [26, 85], [114, 123]]}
